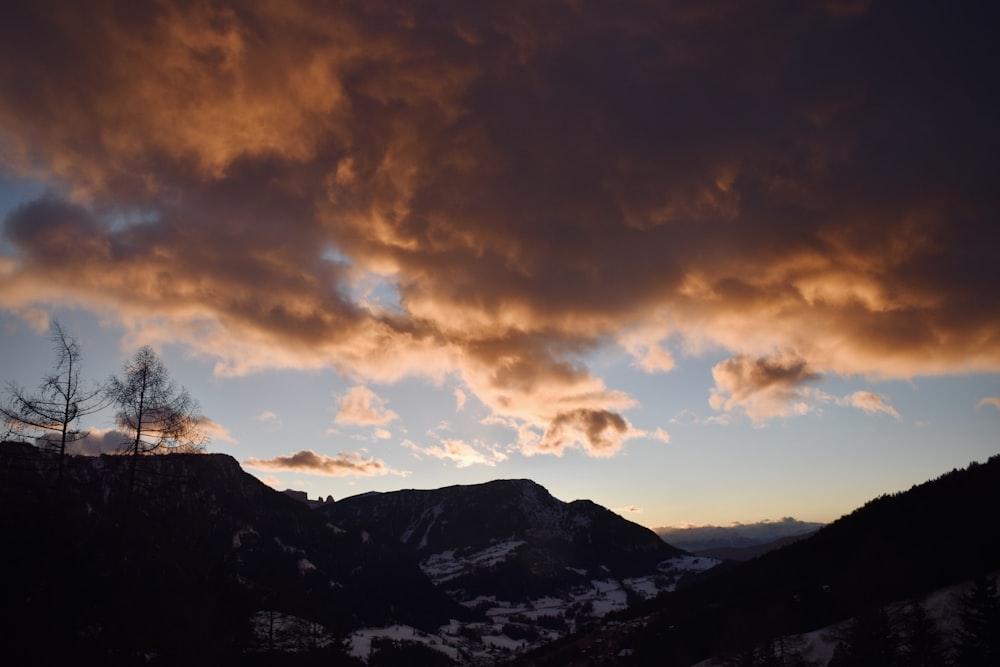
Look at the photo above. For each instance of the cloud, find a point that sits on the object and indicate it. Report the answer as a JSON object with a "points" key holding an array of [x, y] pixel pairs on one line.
{"points": [[268, 417], [97, 441], [215, 431], [989, 400], [762, 387], [628, 509], [661, 435], [462, 453], [870, 403], [602, 431], [460, 399], [360, 406], [528, 183], [308, 461]]}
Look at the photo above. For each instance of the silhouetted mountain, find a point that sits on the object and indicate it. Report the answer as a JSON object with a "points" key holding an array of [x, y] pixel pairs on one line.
{"points": [[205, 554], [207, 565], [894, 548], [750, 551], [512, 530], [709, 540]]}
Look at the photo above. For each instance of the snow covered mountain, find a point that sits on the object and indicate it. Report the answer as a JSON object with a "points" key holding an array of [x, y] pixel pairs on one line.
{"points": [[203, 550], [535, 567]]}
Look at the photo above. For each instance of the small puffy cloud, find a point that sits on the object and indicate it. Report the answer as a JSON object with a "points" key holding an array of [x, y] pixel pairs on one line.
{"points": [[382, 433], [628, 509], [989, 400], [460, 399], [661, 435], [268, 417], [599, 432], [360, 406], [763, 387], [308, 461], [870, 402], [647, 350]]}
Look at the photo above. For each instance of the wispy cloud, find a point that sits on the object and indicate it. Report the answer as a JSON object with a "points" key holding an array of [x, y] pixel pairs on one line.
{"points": [[989, 400], [268, 417], [344, 464], [463, 454], [871, 403]]}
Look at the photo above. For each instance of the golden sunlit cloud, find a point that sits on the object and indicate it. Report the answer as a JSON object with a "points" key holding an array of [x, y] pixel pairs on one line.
{"points": [[762, 387], [345, 463], [215, 431], [870, 403], [461, 453], [343, 191], [661, 435], [360, 406]]}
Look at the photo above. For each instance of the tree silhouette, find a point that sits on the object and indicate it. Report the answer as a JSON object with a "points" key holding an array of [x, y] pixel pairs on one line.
{"points": [[979, 635], [156, 415], [51, 416]]}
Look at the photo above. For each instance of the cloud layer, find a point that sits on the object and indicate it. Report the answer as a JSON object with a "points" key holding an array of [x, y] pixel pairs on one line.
{"points": [[805, 185]]}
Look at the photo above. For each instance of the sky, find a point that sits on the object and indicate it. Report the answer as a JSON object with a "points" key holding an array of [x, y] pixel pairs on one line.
{"points": [[700, 263]]}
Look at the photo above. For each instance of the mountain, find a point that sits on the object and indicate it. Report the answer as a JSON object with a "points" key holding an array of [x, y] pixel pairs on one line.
{"points": [[536, 567], [896, 548], [741, 541], [471, 536], [205, 552], [203, 564]]}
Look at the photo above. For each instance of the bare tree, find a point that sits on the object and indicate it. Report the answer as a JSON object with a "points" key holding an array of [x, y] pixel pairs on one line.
{"points": [[51, 417], [156, 415]]}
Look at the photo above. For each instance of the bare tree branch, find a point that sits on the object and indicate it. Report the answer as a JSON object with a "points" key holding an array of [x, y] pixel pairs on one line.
{"points": [[51, 417]]}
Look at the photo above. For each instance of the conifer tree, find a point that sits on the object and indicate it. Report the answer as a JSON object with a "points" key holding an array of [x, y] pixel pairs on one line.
{"points": [[978, 642]]}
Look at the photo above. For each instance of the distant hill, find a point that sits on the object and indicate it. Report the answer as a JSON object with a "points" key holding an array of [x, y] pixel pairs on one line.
{"points": [[739, 541], [897, 547]]}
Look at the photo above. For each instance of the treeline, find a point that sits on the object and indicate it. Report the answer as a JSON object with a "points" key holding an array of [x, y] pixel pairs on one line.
{"points": [[150, 413]]}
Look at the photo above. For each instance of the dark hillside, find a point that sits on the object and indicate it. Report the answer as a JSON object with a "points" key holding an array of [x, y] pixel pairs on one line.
{"points": [[180, 574], [895, 547]]}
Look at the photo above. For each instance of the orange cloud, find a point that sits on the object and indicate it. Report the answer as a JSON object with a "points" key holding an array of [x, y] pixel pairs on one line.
{"points": [[361, 406], [462, 453], [530, 182], [762, 387], [308, 461], [870, 403], [214, 430]]}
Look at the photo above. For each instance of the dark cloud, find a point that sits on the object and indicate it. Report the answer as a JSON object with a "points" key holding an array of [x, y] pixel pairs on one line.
{"points": [[602, 431], [530, 180], [308, 461]]}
